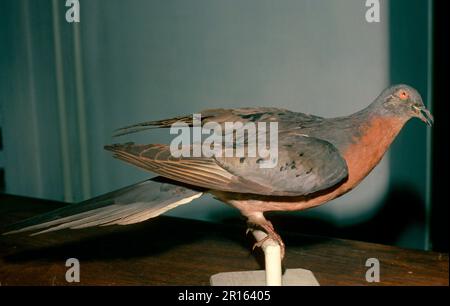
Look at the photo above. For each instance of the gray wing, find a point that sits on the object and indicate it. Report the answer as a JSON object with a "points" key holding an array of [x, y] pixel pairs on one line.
{"points": [[305, 165], [128, 205], [201, 172]]}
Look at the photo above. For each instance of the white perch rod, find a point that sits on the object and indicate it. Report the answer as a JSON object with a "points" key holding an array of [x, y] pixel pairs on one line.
{"points": [[272, 254]]}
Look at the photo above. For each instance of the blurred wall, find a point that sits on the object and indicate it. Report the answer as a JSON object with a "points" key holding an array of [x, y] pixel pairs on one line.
{"points": [[65, 87]]}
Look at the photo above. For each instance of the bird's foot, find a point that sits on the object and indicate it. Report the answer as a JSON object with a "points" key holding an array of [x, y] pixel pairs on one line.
{"points": [[267, 227]]}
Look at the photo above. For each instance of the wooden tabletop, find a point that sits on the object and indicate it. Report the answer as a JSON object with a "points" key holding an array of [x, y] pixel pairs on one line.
{"points": [[174, 251]]}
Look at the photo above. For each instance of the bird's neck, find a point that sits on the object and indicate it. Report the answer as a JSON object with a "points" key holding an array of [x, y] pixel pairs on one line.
{"points": [[375, 136], [376, 128]]}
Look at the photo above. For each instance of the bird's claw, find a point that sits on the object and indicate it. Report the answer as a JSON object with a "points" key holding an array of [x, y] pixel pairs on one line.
{"points": [[271, 234], [260, 243]]}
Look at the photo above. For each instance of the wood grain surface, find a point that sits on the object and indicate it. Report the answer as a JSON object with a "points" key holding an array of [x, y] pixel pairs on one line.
{"points": [[174, 251]]}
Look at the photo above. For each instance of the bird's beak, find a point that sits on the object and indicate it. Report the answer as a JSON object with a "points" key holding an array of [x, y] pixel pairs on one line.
{"points": [[424, 115]]}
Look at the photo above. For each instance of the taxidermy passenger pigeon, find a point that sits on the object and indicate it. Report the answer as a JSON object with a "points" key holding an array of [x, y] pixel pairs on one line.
{"points": [[319, 159]]}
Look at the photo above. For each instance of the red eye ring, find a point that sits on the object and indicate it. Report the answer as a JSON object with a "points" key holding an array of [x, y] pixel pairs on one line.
{"points": [[403, 95]]}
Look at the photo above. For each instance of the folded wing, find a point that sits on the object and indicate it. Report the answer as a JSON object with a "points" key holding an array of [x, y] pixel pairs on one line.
{"points": [[304, 165]]}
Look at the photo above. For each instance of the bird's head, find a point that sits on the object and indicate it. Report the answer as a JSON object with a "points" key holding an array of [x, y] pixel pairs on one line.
{"points": [[403, 100]]}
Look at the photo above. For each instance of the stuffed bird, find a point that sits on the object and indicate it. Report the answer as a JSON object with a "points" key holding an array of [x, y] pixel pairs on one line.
{"points": [[318, 159]]}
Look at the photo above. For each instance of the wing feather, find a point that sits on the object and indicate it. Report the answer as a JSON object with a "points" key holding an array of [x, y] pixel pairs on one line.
{"points": [[305, 165]]}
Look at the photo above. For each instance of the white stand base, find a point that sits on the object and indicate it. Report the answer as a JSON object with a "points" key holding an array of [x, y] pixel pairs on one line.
{"points": [[292, 277], [272, 275]]}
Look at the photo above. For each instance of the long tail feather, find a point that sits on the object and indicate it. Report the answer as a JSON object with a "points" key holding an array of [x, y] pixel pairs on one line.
{"points": [[128, 205]]}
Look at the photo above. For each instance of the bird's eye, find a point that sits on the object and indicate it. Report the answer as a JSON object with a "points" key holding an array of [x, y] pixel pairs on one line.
{"points": [[403, 95]]}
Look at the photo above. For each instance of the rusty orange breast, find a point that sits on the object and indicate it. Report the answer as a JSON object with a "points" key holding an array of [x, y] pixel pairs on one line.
{"points": [[361, 156], [367, 151]]}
